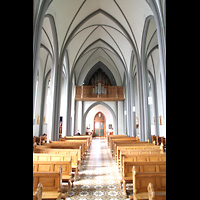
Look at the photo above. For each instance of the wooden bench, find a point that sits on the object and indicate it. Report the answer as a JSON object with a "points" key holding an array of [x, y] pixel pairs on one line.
{"points": [[141, 181], [67, 151], [61, 145], [142, 158], [127, 143], [159, 166], [80, 137], [155, 195], [50, 156], [134, 146], [53, 166], [37, 195], [136, 152], [74, 153], [110, 137], [128, 139], [74, 141], [52, 184]]}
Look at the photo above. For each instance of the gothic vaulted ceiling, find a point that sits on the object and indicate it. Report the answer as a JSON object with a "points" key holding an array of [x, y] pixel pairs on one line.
{"points": [[92, 31]]}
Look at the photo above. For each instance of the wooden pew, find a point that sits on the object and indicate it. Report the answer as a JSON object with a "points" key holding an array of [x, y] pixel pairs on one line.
{"points": [[109, 137], [72, 141], [136, 152], [74, 153], [60, 145], [80, 137], [59, 155], [66, 149], [137, 145], [37, 195], [52, 184], [140, 157], [158, 166], [155, 195], [112, 141], [127, 143], [141, 181], [53, 166], [51, 157]]}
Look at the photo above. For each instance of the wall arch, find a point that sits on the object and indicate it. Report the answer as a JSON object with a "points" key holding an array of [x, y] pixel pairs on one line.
{"points": [[103, 104]]}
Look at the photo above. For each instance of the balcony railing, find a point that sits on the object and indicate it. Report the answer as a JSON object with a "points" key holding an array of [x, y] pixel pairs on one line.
{"points": [[106, 93]]}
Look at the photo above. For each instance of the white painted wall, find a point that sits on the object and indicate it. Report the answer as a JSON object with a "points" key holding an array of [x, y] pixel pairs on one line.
{"points": [[83, 107], [94, 111]]}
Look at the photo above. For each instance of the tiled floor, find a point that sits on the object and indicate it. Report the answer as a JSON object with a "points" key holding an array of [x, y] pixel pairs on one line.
{"points": [[98, 178]]}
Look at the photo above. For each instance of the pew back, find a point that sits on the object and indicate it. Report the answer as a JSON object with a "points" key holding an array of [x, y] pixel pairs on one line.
{"points": [[53, 166], [133, 153], [159, 166], [142, 158], [142, 149], [142, 179], [69, 152], [81, 147], [51, 181]]}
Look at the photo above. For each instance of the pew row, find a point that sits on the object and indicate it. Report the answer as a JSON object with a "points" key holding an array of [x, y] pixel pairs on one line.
{"points": [[119, 140], [141, 181], [60, 145], [58, 157], [127, 143], [80, 137], [136, 152], [109, 137], [53, 166], [75, 153], [135, 148], [158, 166], [83, 143], [52, 184]]}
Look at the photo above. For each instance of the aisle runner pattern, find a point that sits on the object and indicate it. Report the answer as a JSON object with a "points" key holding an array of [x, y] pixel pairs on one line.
{"points": [[98, 178]]}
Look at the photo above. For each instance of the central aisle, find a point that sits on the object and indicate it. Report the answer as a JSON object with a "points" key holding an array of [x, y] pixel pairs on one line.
{"points": [[98, 178]]}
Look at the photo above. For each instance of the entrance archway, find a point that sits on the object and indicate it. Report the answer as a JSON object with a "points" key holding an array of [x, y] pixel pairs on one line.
{"points": [[99, 125]]}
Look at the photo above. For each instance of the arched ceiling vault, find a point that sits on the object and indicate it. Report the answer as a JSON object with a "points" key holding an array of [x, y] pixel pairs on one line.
{"points": [[93, 31]]}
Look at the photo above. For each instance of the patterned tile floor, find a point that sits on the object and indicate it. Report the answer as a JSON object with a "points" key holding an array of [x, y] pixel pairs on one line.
{"points": [[98, 178]]}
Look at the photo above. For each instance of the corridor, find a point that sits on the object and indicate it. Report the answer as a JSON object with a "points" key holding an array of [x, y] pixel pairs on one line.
{"points": [[98, 178]]}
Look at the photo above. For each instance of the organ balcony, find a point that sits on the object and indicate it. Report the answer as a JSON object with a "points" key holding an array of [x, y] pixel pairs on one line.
{"points": [[99, 92]]}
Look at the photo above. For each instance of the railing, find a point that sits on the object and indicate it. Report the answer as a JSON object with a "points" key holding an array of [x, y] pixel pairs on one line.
{"points": [[110, 93]]}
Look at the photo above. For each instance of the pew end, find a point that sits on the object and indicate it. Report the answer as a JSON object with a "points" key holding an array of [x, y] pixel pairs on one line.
{"points": [[155, 195], [37, 195]]}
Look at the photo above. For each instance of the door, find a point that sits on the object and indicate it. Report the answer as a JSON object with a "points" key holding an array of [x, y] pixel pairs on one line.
{"points": [[99, 125]]}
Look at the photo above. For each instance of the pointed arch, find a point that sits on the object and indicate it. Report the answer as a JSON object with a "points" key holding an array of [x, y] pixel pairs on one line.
{"points": [[103, 104]]}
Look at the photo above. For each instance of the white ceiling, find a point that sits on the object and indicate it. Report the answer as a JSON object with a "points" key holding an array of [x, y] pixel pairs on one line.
{"points": [[98, 30]]}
